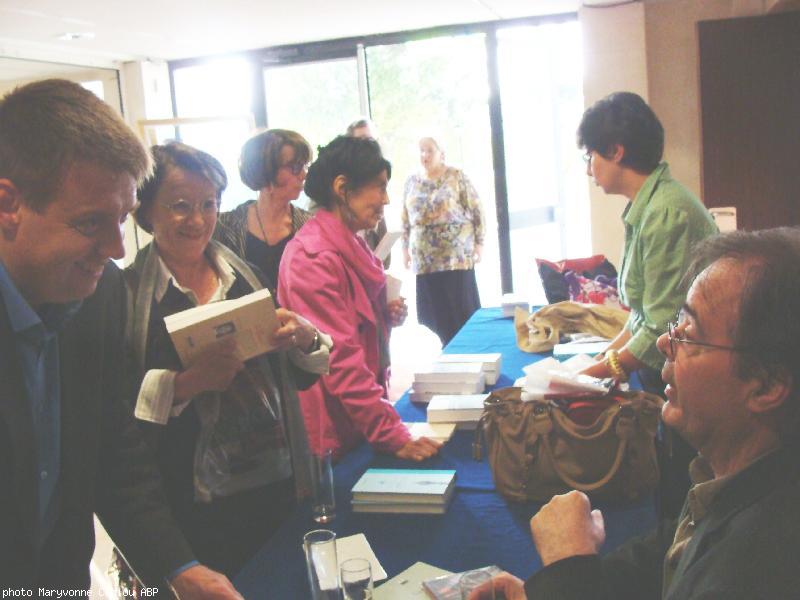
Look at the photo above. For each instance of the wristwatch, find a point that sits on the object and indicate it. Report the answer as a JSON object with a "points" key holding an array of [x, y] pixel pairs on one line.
{"points": [[316, 343]]}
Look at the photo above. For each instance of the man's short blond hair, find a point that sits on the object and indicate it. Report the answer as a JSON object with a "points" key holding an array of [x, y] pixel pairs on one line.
{"points": [[48, 125]]}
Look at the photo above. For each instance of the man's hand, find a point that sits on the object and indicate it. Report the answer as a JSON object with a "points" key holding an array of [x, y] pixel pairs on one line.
{"points": [[201, 583], [567, 526], [506, 584]]}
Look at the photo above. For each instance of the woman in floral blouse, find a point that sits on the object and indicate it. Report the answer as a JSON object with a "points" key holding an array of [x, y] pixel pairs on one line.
{"points": [[442, 239]]}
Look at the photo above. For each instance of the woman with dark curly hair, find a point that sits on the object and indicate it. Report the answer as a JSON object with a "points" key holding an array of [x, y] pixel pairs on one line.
{"points": [[329, 275]]}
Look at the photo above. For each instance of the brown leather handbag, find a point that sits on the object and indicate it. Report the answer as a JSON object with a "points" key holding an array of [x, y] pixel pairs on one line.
{"points": [[537, 449]]}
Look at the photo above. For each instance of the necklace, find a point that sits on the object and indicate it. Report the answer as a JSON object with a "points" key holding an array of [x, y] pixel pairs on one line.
{"points": [[260, 224]]}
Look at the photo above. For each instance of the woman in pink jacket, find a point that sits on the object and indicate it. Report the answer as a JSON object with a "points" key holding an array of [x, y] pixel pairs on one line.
{"points": [[329, 275]]}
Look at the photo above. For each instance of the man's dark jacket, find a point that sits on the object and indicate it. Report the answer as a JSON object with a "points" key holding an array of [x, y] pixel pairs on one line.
{"points": [[105, 468], [746, 548]]}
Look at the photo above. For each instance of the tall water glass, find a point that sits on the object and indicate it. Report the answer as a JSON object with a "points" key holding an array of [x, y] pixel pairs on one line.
{"points": [[356, 578], [322, 565], [323, 500]]}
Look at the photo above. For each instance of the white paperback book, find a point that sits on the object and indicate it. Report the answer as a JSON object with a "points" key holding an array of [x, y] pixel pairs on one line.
{"points": [[450, 372], [449, 387], [458, 409], [250, 320], [441, 432], [490, 363], [397, 486]]}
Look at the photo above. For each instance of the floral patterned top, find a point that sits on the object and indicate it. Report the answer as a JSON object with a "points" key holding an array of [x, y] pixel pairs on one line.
{"points": [[442, 222]]}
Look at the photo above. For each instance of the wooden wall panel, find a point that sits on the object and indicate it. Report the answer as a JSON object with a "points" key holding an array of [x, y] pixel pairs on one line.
{"points": [[750, 109]]}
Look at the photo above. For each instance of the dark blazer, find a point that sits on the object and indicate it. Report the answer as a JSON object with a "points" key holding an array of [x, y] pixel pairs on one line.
{"points": [[105, 467], [745, 548]]}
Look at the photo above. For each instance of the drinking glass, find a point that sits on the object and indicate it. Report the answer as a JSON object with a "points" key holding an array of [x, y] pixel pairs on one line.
{"points": [[322, 565], [356, 579], [323, 500]]}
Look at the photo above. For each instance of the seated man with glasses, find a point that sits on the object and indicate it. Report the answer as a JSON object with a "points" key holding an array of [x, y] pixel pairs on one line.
{"points": [[733, 392]]}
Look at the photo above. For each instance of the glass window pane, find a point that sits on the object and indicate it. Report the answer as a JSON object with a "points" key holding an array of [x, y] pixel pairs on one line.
{"points": [[438, 88], [220, 87], [318, 99], [541, 76]]}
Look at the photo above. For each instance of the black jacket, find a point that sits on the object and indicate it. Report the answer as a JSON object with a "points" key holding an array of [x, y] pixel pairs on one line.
{"points": [[745, 548], [105, 467]]}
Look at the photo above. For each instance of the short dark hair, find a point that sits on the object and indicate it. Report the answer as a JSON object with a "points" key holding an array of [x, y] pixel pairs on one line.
{"points": [[768, 324], [48, 125], [261, 156], [175, 155], [623, 118], [358, 159]]}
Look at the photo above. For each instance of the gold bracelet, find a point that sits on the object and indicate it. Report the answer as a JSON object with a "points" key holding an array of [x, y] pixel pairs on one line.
{"points": [[617, 371]]}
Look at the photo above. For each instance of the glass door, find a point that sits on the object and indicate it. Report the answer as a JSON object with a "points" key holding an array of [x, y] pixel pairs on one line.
{"points": [[437, 88], [541, 74]]}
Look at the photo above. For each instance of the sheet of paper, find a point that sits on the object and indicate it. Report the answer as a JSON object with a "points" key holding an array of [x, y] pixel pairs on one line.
{"points": [[384, 247], [393, 285], [357, 546], [408, 584]]}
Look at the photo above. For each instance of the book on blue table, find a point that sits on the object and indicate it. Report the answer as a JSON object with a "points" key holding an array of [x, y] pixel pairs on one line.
{"points": [[440, 432], [463, 409], [444, 372], [408, 508], [490, 363], [407, 585], [396, 486]]}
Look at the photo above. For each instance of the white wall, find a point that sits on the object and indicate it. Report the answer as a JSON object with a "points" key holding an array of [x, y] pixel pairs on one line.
{"points": [[614, 59], [145, 95], [652, 49]]}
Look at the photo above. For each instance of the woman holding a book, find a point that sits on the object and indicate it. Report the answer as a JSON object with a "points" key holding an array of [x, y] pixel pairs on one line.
{"points": [[329, 274], [228, 435]]}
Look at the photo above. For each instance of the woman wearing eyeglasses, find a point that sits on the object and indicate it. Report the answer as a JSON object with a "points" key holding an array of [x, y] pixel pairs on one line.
{"points": [[273, 164], [228, 435], [624, 144]]}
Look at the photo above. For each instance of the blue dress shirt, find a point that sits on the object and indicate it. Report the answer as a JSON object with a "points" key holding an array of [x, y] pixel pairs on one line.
{"points": [[36, 337]]}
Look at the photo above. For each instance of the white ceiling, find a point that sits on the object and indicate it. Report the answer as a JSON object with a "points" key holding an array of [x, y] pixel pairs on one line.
{"points": [[159, 29]]}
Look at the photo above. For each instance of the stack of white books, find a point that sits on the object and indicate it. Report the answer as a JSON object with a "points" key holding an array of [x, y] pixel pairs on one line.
{"points": [[414, 491], [490, 362], [510, 302], [463, 410], [445, 378]]}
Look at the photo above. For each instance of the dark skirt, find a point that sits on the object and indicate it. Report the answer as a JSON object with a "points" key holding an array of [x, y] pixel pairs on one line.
{"points": [[446, 300]]}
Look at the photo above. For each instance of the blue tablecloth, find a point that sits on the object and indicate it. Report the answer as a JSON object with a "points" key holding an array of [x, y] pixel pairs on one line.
{"points": [[479, 528]]}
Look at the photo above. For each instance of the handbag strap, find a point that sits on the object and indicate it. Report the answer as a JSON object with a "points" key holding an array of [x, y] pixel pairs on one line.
{"points": [[624, 414]]}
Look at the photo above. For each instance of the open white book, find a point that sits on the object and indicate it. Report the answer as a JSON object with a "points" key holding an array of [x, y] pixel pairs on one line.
{"points": [[250, 320]]}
